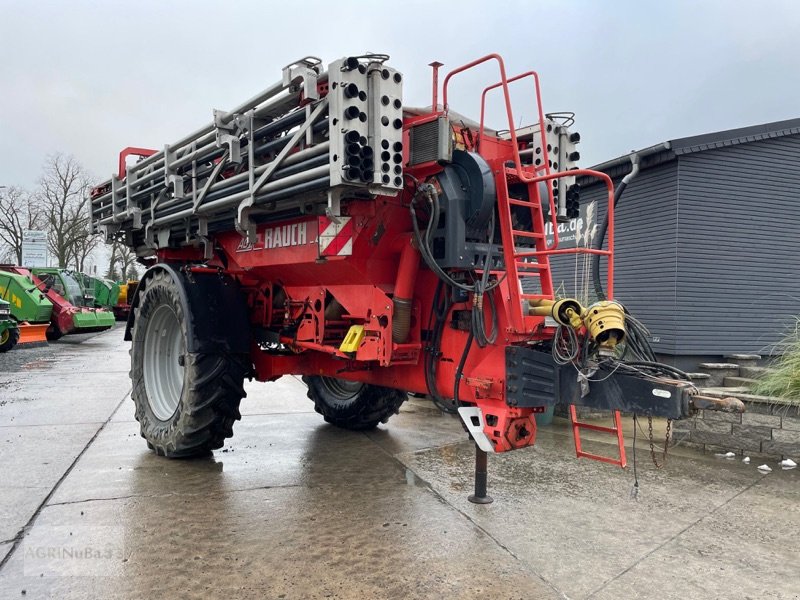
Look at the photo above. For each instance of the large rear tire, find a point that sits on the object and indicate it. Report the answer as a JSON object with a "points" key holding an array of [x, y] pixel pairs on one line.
{"points": [[9, 339], [186, 403], [351, 405]]}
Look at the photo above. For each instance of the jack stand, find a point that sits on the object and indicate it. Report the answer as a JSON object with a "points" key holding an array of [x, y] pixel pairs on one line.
{"points": [[481, 464]]}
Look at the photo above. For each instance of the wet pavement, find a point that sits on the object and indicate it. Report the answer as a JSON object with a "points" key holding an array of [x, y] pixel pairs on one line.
{"points": [[294, 508]]}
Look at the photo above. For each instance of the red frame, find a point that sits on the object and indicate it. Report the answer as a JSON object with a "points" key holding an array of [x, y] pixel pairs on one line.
{"points": [[132, 151]]}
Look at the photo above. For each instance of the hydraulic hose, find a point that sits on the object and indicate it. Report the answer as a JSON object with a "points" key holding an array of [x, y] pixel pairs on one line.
{"points": [[598, 245]]}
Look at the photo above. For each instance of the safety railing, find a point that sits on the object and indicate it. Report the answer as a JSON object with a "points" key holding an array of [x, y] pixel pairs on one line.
{"points": [[524, 175]]}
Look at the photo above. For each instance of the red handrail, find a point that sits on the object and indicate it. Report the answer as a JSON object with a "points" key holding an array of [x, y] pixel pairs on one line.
{"points": [[539, 108], [610, 234], [520, 173], [503, 82], [507, 98], [546, 160]]}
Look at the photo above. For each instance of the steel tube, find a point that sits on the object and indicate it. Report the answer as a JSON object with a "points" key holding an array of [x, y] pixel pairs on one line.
{"points": [[226, 118], [303, 187], [270, 146], [223, 191], [279, 175], [267, 187], [283, 179], [213, 153], [292, 159]]}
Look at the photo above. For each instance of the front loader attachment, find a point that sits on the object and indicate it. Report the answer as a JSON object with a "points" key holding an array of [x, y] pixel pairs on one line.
{"points": [[33, 333]]}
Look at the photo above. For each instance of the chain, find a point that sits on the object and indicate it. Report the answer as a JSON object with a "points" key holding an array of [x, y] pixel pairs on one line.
{"points": [[653, 446]]}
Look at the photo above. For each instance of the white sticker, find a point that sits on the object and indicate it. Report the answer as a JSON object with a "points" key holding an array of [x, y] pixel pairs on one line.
{"points": [[662, 393]]}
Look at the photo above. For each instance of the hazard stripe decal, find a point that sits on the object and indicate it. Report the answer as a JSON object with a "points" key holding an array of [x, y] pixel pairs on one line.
{"points": [[335, 239]]}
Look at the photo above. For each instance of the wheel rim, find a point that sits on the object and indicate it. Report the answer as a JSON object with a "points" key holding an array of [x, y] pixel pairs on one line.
{"points": [[4, 336], [342, 389], [163, 358]]}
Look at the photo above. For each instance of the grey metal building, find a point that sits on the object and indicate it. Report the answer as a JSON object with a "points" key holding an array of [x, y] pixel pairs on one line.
{"points": [[708, 241]]}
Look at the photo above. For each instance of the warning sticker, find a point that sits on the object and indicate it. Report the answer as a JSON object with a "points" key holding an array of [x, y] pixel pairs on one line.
{"points": [[335, 236]]}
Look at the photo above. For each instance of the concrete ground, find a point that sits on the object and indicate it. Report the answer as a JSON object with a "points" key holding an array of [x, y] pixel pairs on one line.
{"points": [[294, 508]]}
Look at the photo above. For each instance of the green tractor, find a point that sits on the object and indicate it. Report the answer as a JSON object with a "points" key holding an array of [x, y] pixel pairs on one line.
{"points": [[29, 307], [9, 331]]}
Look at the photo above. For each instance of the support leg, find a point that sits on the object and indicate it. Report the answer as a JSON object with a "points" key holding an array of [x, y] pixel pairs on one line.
{"points": [[481, 463]]}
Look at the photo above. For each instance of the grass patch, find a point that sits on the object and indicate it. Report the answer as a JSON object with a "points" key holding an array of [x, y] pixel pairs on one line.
{"points": [[783, 380]]}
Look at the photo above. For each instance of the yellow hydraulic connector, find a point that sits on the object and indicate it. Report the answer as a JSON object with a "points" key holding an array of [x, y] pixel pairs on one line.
{"points": [[605, 322], [566, 311], [352, 340]]}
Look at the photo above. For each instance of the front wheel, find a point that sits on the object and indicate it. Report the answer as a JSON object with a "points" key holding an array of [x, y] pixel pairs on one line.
{"points": [[353, 405], [53, 333], [9, 339], [186, 403]]}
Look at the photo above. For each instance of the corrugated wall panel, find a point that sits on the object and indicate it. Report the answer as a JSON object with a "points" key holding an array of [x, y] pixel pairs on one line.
{"points": [[646, 222], [738, 247]]}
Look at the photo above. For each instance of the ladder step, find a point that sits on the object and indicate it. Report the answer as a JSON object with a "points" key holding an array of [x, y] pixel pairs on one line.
{"points": [[605, 459], [528, 265], [596, 427], [527, 203], [616, 431], [527, 234]]}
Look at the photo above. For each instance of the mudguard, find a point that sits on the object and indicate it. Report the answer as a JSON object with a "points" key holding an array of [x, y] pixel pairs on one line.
{"points": [[214, 304]]}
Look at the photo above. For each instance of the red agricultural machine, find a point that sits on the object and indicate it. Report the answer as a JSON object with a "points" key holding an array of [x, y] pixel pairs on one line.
{"points": [[322, 228]]}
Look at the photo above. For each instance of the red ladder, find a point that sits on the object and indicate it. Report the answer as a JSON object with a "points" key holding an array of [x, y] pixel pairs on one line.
{"points": [[516, 258], [616, 430], [516, 265]]}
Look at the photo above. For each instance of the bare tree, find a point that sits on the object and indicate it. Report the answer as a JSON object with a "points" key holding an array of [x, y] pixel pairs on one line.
{"points": [[18, 212], [112, 272], [63, 193], [83, 249], [128, 262], [124, 258]]}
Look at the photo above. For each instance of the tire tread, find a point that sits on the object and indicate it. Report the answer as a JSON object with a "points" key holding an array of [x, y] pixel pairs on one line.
{"points": [[215, 389], [374, 404]]}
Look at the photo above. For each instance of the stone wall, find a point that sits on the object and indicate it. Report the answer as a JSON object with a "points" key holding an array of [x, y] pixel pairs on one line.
{"points": [[764, 429]]}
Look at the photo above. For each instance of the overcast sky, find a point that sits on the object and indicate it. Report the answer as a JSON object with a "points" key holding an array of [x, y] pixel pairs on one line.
{"points": [[89, 78]]}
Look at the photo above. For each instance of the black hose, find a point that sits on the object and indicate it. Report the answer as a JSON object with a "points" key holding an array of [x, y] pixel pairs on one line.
{"points": [[460, 369], [423, 242], [477, 328], [439, 309], [658, 366], [598, 245]]}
